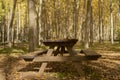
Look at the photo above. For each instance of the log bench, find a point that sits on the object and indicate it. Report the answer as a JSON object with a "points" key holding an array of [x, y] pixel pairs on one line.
{"points": [[90, 55], [30, 56]]}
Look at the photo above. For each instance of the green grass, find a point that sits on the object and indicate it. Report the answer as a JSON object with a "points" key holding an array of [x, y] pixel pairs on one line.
{"points": [[107, 46], [91, 73], [22, 48], [61, 75], [12, 50], [19, 48], [104, 46]]}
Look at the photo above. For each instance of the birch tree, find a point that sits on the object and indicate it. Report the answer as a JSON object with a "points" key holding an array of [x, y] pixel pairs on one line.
{"points": [[111, 23], [87, 25], [32, 26], [11, 24]]}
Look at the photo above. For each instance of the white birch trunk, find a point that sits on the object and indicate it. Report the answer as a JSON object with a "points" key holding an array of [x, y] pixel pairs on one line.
{"points": [[111, 29], [40, 29], [111, 23], [18, 24], [32, 26]]}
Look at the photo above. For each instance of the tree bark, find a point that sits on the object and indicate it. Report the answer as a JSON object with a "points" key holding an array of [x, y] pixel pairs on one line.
{"points": [[111, 23], [75, 19], [119, 7], [32, 26], [91, 27], [10, 34], [87, 25], [83, 23], [18, 24], [100, 21]]}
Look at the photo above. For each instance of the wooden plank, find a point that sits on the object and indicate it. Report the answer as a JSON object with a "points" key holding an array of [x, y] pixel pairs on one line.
{"points": [[30, 76], [63, 42], [91, 54], [59, 58], [32, 55], [43, 66]]}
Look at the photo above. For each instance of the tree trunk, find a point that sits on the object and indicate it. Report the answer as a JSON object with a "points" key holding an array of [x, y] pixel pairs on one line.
{"points": [[11, 24], [40, 27], [2, 25], [100, 21], [91, 27], [43, 19], [111, 23], [18, 24], [83, 23], [119, 7], [75, 18], [32, 26], [87, 26], [38, 24]]}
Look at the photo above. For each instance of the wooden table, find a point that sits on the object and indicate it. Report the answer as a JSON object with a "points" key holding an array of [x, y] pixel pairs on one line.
{"points": [[62, 46]]}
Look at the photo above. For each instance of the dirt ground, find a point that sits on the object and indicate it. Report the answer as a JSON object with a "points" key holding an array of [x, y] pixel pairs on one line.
{"points": [[106, 68]]}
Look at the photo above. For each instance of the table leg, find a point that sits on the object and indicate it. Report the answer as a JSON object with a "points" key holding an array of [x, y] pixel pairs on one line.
{"points": [[71, 51], [62, 50], [76, 64], [57, 50], [43, 66]]}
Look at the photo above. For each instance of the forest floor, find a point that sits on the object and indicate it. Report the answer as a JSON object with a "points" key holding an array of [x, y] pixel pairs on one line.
{"points": [[105, 68]]}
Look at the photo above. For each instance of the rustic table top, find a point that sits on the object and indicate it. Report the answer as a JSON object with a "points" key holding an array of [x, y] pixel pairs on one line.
{"points": [[62, 42]]}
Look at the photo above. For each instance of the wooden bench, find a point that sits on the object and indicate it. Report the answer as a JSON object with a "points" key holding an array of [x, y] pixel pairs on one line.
{"points": [[90, 55], [59, 59], [32, 55]]}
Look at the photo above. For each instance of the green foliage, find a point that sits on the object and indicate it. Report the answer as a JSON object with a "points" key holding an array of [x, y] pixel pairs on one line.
{"points": [[13, 50]]}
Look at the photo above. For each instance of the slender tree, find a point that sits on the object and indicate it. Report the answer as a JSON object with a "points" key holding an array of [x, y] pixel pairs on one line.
{"points": [[91, 26], [83, 22], [111, 23], [119, 6], [75, 18], [100, 20], [87, 25], [32, 26], [11, 24]]}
